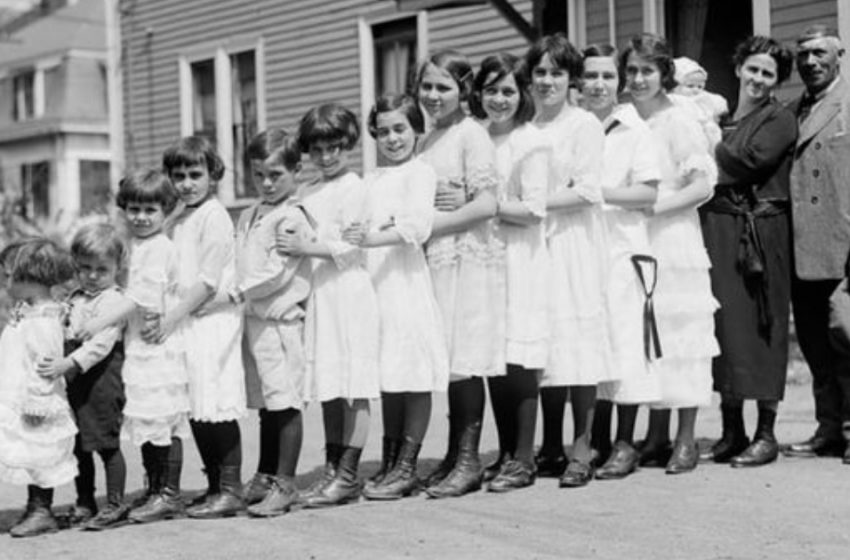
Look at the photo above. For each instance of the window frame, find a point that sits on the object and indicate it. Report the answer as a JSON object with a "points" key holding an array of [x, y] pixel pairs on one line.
{"points": [[220, 53], [368, 69]]}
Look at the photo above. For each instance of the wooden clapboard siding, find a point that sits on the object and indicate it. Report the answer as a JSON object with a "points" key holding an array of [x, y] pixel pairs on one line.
{"points": [[788, 18], [311, 52], [628, 18], [597, 22]]}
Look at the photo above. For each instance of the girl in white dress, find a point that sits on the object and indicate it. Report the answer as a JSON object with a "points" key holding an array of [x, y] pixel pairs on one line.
{"points": [[523, 154], [466, 261], [341, 331], [36, 425], [629, 185], [685, 305], [156, 414], [203, 234], [579, 347], [413, 359]]}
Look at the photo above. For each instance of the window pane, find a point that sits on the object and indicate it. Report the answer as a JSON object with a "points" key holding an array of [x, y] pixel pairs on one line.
{"points": [[24, 103], [395, 55], [244, 83], [95, 193], [203, 99], [35, 190]]}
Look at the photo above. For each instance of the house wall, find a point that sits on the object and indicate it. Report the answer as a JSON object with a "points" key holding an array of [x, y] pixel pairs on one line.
{"points": [[310, 49]]}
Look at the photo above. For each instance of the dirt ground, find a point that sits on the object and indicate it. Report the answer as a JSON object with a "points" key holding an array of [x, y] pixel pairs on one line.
{"points": [[795, 508]]}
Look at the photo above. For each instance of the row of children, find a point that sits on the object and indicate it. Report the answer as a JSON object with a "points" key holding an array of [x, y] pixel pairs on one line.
{"points": [[347, 290]]}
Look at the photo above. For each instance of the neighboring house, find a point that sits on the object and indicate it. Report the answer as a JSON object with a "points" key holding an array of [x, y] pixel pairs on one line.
{"points": [[228, 68], [54, 126]]}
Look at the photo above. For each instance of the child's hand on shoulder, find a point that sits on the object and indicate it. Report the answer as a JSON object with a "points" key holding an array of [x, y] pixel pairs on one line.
{"points": [[53, 368]]}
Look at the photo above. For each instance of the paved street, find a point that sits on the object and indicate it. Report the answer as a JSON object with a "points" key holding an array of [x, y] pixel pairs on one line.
{"points": [[796, 508]]}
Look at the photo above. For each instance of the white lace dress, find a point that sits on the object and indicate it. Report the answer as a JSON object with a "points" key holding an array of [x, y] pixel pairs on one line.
{"points": [[684, 303], [341, 328], [155, 379], [212, 343], [413, 354], [38, 452], [523, 158], [579, 346], [468, 268]]}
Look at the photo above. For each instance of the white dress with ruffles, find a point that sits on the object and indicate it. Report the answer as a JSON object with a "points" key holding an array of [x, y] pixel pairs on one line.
{"points": [[413, 353], [212, 343], [155, 379], [341, 328], [630, 158], [468, 268], [38, 451], [684, 303], [523, 158], [579, 347]]}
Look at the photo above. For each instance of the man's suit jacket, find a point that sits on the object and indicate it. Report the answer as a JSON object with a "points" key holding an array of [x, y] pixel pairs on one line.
{"points": [[820, 187]]}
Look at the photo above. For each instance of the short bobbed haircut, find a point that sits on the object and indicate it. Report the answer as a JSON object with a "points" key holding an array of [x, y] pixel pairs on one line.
{"points": [[147, 186], [655, 49], [278, 145], [493, 69], [37, 260], [193, 150], [759, 44], [455, 64], [561, 52], [404, 104], [329, 122], [100, 241]]}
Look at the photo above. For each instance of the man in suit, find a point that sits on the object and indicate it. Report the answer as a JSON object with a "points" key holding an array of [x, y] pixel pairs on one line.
{"points": [[820, 198]]}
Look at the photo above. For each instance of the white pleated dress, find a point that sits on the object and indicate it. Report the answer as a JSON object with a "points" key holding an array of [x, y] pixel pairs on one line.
{"points": [[155, 379], [413, 354], [579, 348], [630, 158], [684, 303], [42, 453], [468, 268], [341, 328], [212, 343], [523, 158]]}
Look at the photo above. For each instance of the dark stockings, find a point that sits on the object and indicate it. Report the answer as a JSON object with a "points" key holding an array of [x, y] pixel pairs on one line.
{"points": [[116, 475], [553, 403], [281, 434]]}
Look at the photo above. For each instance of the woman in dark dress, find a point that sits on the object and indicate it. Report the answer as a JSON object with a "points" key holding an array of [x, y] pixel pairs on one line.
{"points": [[746, 227]]}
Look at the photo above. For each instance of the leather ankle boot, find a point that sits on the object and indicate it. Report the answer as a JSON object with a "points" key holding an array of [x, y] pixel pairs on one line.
{"points": [[492, 470], [344, 487], [226, 503], [257, 488], [38, 518], [389, 456], [733, 439], [333, 452], [466, 476], [448, 462], [401, 481], [279, 499]]}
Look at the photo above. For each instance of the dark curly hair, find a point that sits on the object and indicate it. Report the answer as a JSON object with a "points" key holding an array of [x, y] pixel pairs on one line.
{"points": [[330, 122], [759, 44], [37, 260], [194, 150], [562, 53], [499, 66], [147, 186], [278, 144], [403, 103], [655, 49]]}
